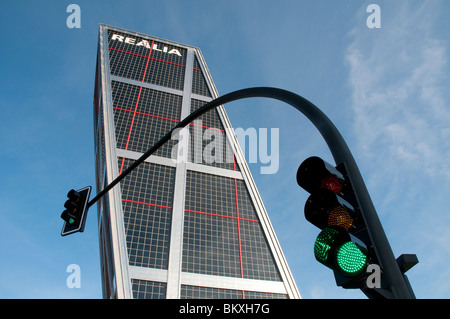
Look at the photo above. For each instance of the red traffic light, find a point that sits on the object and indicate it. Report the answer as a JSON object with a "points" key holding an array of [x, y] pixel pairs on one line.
{"points": [[315, 174]]}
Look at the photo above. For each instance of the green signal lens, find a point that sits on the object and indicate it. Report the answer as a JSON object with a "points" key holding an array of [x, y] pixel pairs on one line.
{"points": [[335, 249], [71, 221], [351, 259], [324, 243]]}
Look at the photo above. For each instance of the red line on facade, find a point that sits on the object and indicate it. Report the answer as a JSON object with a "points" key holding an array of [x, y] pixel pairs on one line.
{"points": [[121, 166], [129, 52], [135, 107], [151, 115], [218, 215], [155, 59], [168, 119], [142, 203], [177, 64], [207, 127], [188, 210], [238, 226]]}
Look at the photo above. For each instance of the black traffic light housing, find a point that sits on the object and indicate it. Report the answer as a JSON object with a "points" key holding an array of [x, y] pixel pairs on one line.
{"points": [[75, 214], [333, 208]]}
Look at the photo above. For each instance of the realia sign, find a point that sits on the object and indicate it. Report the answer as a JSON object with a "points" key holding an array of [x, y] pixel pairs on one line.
{"points": [[144, 43]]}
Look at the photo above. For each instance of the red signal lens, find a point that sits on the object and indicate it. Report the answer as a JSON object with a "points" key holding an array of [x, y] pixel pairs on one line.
{"points": [[332, 183]]}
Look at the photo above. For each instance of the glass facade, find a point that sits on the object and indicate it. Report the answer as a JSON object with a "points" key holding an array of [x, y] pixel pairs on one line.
{"points": [[182, 224]]}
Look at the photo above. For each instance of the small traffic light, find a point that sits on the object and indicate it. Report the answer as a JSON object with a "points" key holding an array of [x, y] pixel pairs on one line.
{"points": [[75, 214], [342, 244]]}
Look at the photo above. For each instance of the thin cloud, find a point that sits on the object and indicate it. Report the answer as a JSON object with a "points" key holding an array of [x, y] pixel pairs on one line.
{"points": [[396, 76]]}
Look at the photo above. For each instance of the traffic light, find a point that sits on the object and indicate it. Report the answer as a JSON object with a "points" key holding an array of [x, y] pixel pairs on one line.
{"points": [[343, 243], [75, 214]]}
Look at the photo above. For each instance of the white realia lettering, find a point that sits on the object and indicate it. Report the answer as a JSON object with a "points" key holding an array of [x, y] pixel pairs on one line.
{"points": [[117, 37], [145, 43]]}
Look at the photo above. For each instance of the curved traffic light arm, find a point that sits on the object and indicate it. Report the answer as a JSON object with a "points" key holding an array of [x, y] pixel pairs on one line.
{"points": [[341, 155]]}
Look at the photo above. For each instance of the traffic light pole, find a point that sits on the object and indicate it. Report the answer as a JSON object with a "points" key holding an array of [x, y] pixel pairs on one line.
{"points": [[395, 279]]}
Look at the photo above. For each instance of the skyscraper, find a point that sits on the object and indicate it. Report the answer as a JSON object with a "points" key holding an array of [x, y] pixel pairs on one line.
{"points": [[188, 222]]}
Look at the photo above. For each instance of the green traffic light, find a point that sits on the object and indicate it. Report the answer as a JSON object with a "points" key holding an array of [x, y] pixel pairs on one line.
{"points": [[334, 248], [351, 259], [323, 244], [71, 221]]}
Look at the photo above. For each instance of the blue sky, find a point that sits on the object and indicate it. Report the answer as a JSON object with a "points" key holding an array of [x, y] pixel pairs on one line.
{"points": [[386, 90]]}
